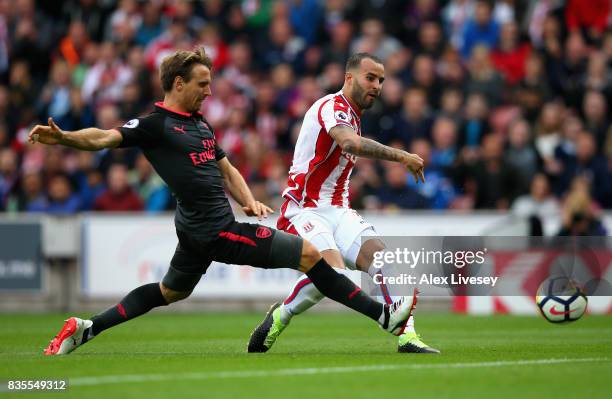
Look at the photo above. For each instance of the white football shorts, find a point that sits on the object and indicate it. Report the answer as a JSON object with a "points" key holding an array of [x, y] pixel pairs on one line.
{"points": [[342, 229]]}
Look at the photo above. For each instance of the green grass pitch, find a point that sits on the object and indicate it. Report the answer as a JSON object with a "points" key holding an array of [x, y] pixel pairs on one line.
{"points": [[322, 355]]}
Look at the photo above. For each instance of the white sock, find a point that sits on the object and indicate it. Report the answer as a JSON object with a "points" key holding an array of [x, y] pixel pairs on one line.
{"points": [[302, 297], [386, 296]]}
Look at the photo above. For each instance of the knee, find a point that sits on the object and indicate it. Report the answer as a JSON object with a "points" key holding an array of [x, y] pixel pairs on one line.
{"points": [[171, 295], [366, 253], [310, 256]]}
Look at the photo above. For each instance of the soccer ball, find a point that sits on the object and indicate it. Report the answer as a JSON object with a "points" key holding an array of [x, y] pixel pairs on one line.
{"points": [[561, 300]]}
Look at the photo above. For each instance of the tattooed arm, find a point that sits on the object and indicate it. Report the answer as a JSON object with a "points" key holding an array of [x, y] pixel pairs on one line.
{"points": [[352, 143]]}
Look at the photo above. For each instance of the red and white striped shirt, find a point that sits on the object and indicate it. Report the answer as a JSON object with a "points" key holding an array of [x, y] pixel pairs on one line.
{"points": [[319, 174]]}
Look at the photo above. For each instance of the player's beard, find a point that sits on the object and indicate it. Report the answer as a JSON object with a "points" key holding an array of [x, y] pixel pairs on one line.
{"points": [[196, 105], [360, 96]]}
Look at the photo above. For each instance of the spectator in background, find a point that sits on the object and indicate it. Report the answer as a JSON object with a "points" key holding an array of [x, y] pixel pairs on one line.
{"points": [[398, 65], [27, 46], [482, 29], [444, 137], [535, 17], [438, 187], [131, 101], [141, 76], [510, 55], [8, 175], [451, 104], [539, 203], [176, 35], [257, 13], [80, 114], [431, 40], [335, 12], [4, 38], [22, 90], [588, 164], [338, 47], [210, 38], [484, 78], [533, 90], [149, 186], [451, 70], [395, 193], [30, 192], [306, 17], [153, 23], [239, 69], [104, 82], [283, 79], [567, 73], [598, 76], [475, 126], [520, 154], [418, 13], [375, 40], [455, 16], [503, 12], [55, 97], [4, 137], [332, 78], [548, 130], [281, 46], [365, 180], [590, 17], [235, 27], [184, 11], [72, 46], [91, 54], [124, 22], [88, 179], [580, 214], [424, 77], [92, 14], [496, 180], [566, 149], [606, 46], [217, 108], [265, 117], [595, 111], [551, 39], [119, 196], [416, 118], [60, 199], [8, 116]]}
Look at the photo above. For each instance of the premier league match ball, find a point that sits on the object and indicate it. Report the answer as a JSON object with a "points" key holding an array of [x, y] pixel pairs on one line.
{"points": [[561, 300]]}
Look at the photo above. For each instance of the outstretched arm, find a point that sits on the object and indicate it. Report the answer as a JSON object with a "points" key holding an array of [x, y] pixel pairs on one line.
{"points": [[241, 192], [352, 143], [89, 139]]}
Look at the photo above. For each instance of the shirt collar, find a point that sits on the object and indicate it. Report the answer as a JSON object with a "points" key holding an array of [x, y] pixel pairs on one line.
{"points": [[160, 106]]}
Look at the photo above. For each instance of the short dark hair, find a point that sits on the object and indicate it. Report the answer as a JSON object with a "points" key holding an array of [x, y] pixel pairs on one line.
{"points": [[355, 60], [180, 63]]}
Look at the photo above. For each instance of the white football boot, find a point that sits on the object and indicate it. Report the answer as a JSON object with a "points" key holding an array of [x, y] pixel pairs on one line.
{"points": [[398, 313]]}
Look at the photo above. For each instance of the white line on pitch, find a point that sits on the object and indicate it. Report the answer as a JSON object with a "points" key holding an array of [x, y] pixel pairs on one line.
{"points": [[119, 379]]}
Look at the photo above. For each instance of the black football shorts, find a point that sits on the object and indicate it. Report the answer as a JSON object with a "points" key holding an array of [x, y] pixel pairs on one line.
{"points": [[238, 243]]}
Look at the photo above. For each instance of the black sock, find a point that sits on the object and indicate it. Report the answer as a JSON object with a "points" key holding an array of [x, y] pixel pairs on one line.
{"points": [[134, 304], [341, 289]]}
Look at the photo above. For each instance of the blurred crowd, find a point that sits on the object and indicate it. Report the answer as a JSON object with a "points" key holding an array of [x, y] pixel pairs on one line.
{"points": [[507, 101]]}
